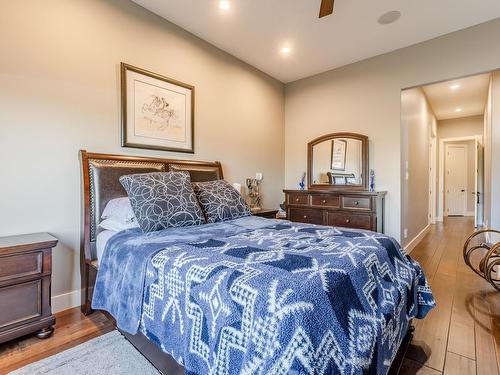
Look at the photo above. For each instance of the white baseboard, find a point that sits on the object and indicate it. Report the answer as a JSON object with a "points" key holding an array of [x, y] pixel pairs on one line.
{"points": [[415, 241], [66, 301]]}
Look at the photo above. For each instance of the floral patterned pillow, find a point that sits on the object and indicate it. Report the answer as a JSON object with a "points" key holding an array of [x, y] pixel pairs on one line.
{"points": [[220, 201], [162, 200]]}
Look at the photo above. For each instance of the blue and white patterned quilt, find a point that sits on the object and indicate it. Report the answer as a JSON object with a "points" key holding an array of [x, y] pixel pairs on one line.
{"points": [[284, 298]]}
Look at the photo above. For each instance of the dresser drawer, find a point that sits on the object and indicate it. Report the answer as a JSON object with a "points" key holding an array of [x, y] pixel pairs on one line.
{"points": [[19, 303], [325, 201], [298, 199], [357, 203], [20, 265], [342, 219], [306, 215]]}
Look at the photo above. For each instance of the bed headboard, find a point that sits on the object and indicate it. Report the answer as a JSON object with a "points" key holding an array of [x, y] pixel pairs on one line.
{"points": [[100, 184]]}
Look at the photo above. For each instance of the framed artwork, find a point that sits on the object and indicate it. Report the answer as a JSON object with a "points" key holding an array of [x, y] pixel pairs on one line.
{"points": [[339, 148], [157, 112]]}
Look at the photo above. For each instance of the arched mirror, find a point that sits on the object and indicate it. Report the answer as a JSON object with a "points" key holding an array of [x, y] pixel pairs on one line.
{"points": [[338, 161]]}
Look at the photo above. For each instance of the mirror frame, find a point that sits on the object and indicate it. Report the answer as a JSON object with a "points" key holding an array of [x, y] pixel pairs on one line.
{"points": [[364, 159]]}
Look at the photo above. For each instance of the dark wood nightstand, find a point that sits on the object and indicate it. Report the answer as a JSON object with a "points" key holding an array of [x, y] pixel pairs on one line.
{"points": [[266, 212], [25, 277]]}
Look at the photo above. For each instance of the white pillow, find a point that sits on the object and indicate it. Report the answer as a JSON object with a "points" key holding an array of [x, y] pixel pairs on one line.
{"points": [[119, 209], [117, 226], [118, 215]]}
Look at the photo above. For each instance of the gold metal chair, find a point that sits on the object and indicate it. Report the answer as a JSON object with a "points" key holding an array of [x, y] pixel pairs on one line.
{"points": [[489, 266]]}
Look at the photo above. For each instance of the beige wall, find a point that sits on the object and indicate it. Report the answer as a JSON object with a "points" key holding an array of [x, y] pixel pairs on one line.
{"points": [[417, 122], [59, 93], [365, 97], [461, 127]]}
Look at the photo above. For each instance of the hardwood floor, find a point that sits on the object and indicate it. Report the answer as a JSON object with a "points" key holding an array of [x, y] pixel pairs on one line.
{"points": [[460, 336], [72, 328]]}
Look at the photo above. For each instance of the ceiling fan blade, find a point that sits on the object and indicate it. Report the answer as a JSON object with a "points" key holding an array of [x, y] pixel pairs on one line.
{"points": [[326, 8]]}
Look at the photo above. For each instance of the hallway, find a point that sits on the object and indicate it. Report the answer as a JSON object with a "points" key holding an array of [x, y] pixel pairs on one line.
{"points": [[462, 334]]}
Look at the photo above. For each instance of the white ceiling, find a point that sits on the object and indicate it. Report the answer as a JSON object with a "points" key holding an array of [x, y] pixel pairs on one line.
{"points": [[256, 30], [470, 97]]}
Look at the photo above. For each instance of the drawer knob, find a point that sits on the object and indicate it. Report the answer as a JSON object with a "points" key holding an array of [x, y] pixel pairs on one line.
{"points": [[356, 203], [297, 199], [324, 201], [305, 216], [347, 221]]}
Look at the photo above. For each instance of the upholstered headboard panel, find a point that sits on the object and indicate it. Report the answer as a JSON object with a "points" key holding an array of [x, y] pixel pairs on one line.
{"points": [[101, 173]]}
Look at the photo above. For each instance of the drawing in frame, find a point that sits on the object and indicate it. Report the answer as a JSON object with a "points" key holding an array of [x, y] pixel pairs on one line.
{"points": [[339, 149], [157, 112]]}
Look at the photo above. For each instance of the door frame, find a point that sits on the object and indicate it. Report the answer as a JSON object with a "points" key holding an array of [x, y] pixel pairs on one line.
{"points": [[442, 142], [432, 179], [479, 185]]}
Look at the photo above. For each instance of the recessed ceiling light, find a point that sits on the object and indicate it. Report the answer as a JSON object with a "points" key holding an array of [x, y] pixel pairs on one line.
{"points": [[286, 50], [458, 110], [389, 17], [455, 86], [224, 4]]}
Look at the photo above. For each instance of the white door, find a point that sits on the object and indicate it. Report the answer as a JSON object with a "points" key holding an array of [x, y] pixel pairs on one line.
{"points": [[478, 211], [456, 179]]}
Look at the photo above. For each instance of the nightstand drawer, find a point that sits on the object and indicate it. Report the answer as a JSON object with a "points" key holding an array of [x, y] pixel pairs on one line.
{"points": [[25, 278], [19, 303], [20, 265]]}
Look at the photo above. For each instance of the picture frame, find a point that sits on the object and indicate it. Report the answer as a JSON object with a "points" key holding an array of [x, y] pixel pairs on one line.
{"points": [[339, 150], [157, 111]]}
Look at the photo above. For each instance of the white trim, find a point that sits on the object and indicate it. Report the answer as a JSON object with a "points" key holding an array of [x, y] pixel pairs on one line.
{"points": [[415, 241], [442, 141], [66, 301]]}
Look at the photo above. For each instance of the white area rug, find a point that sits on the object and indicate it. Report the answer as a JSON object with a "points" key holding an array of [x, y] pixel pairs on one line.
{"points": [[110, 354]]}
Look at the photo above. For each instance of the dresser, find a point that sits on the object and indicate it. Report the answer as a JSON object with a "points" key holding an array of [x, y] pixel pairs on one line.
{"points": [[351, 209], [25, 277]]}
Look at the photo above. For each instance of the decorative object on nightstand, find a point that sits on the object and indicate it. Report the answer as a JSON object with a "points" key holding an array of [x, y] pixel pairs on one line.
{"points": [[25, 277], [254, 194], [281, 214], [268, 213]]}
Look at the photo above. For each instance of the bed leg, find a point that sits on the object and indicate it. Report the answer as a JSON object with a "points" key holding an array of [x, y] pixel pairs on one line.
{"points": [[85, 307], [398, 360]]}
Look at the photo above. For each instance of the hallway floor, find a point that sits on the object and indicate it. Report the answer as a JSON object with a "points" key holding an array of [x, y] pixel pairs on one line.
{"points": [[462, 334]]}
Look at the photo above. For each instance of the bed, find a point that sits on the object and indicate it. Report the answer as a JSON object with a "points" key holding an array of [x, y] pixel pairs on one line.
{"points": [[250, 295]]}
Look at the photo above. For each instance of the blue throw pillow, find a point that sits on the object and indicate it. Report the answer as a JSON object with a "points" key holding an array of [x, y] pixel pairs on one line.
{"points": [[162, 200], [220, 201]]}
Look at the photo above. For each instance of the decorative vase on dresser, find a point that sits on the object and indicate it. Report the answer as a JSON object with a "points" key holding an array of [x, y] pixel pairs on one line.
{"points": [[337, 186], [25, 278]]}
